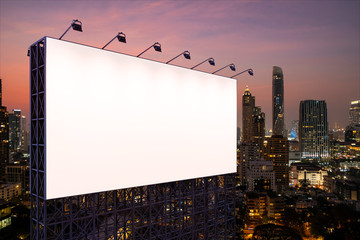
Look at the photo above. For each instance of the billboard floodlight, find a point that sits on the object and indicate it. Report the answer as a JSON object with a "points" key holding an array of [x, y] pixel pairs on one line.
{"points": [[157, 47], [210, 60], [185, 53], [75, 25], [250, 71], [120, 36], [232, 67]]}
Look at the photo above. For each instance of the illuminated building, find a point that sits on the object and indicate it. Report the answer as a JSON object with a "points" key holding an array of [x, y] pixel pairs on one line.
{"points": [[4, 137], [277, 151], [312, 174], [248, 152], [275, 207], [24, 141], [15, 130], [10, 190], [354, 112], [261, 204], [5, 214], [260, 176], [256, 205], [278, 101], [258, 129], [313, 130], [18, 173], [352, 133], [248, 102]]}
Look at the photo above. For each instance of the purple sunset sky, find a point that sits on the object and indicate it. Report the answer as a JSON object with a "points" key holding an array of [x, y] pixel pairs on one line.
{"points": [[316, 43]]}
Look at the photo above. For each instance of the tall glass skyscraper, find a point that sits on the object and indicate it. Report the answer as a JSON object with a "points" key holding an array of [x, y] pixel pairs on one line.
{"points": [[278, 101], [313, 129]]}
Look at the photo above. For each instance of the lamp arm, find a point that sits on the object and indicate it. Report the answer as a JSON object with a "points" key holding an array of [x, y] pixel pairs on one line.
{"points": [[199, 63], [109, 42], [247, 70], [145, 50], [65, 31], [175, 57], [221, 69]]}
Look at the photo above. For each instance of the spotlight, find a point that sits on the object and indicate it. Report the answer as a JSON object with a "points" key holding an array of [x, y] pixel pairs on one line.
{"points": [[210, 60], [157, 47], [120, 36], [75, 25], [185, 53]]}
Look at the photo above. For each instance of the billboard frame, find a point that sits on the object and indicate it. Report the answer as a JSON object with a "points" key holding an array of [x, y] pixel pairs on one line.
{"points": [[201, 208]]}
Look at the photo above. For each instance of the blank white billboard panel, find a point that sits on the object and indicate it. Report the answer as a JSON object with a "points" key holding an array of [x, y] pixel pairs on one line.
{"points": [[115, 121]]}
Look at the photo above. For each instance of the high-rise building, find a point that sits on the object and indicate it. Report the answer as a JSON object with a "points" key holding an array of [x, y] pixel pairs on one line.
{"points": [[260, 176], [248, 108], [294, 132], [4, 137], [277, 151], [247, 152], [258, 129], [24, 141], [278, 101], [15, 130], [313, 130], [238, 136], [352, 133], [354, 112]]}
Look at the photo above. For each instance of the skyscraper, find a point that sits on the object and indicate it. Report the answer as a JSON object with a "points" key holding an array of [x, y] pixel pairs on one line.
{"points": [[4, 137], [247, 152], [277, 151], [15, 130], [278, 101], [248, 109], [354, 112], [258, 129], [313, 130]]}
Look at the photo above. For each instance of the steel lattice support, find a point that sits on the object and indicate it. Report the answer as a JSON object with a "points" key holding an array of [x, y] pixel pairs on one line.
{"points": [[202, 208]]}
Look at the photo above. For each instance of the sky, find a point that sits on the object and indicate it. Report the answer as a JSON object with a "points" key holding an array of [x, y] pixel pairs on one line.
{"points": [[316, 43]]}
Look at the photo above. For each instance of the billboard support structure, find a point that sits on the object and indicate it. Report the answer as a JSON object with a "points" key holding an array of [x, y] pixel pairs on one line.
{"points": [[201, 208]]}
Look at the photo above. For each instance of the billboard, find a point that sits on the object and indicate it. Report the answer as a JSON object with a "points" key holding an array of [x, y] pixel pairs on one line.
{"points": [[116, 121]]}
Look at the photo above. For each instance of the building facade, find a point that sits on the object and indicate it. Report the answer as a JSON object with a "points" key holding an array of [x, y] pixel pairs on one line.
{"points": [[313, 130], [278, 101], [248, 102], [277, 151], [258, 129], [248, 152], [309, 174], [354, 112], [260, 176], [4, 137], [352, 133], [15, 130], [10, 190]]}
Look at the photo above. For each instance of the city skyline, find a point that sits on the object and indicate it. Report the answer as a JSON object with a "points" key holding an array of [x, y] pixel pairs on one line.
{"points": [[315, 43]]}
